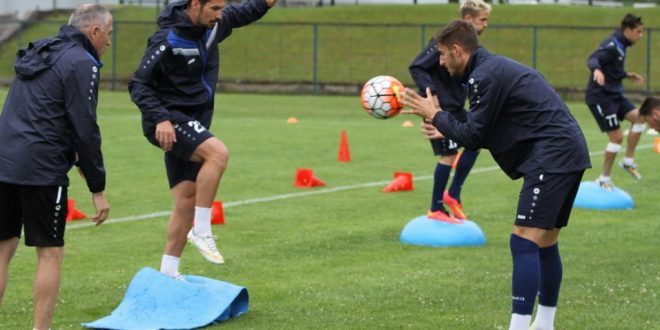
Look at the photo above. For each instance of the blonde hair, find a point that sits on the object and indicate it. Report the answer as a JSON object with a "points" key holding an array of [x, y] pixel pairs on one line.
{"points": [[473, 7]]}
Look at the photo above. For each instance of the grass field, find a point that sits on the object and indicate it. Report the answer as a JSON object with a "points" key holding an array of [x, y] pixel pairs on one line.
{"points": [[330, 257]]}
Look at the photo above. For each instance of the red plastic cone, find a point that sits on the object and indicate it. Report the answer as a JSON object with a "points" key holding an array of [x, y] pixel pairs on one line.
{"points": [[656, 144], [455, 162], [402, 182], [73, 213], [305, 179], [344, 153], [217, 214]]}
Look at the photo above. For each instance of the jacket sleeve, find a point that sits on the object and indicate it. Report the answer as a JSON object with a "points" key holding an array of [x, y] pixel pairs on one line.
{"points": [[605, 53], [487, 98], [142, 88], [424, 63], [80, 101], [238, 15]]}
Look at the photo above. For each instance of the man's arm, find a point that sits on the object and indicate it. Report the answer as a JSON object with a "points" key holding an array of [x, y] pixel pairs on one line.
{"points": [[239, 15], [421, 67]]}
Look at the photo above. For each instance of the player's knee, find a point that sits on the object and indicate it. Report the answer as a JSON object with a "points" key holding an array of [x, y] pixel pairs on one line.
{"points": [[613, 147]]}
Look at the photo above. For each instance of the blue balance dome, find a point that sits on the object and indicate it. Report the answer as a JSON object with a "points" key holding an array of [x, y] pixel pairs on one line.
{"points": [[592, 196], [429, 232]]}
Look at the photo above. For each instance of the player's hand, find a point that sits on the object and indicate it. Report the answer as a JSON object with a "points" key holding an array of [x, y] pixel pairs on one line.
{"points": [[636, 78], [430, 132], [599, 77], [271, 3], [421, 106], [102, 208], [165, 135]]}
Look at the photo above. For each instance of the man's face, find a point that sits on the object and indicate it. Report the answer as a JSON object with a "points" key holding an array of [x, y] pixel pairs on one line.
{"points": [[450, 60], [479, 22], [101, 36], [206, 15], [653, 119], [633, 35]]}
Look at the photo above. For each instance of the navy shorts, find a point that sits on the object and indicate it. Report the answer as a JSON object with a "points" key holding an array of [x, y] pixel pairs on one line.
{"points": [[189, 135], [610, 111], [546, 199], [444, 147], [40, 210]]}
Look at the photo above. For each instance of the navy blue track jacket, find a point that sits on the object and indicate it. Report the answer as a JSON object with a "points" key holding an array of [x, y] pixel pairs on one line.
{"points": [[426, 71], [518, 117], [50, 114], [610, 58], [178, 74]]}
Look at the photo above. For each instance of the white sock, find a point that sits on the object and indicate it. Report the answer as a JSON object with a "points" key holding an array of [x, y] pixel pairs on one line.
{"points": [[603, 178], [628, 160], [520, 322], [202, 221], [169, 265], [545, 318]]}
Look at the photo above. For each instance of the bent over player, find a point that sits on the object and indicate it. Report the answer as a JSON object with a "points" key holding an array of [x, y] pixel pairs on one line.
{"points": [[520, 119], [174, 87]]}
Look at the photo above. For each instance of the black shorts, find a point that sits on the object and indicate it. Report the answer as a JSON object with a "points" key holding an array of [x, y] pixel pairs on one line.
{"points": [[41, 210], [189, 135], [444, 147], [610, 111], [546, 200]]}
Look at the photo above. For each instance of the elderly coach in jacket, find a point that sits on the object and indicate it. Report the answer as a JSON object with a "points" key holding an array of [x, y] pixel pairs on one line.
{"points": [[47, 125]]}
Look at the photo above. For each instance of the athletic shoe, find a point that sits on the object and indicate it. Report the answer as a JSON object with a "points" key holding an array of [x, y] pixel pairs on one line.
{"points": [[206, 246], [442, 215], [454, 206], [630, 169], [179, 277], [605, 184]]}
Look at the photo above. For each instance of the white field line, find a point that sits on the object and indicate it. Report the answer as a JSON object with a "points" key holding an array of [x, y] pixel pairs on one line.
{"points": [[294, 195]]}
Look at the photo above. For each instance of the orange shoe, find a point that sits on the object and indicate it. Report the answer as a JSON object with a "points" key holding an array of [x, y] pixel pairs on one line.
{"points": [[442, 215], [454, 206]]}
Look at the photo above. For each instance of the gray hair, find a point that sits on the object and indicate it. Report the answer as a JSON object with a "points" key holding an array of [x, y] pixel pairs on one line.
{"points": [[88, 15]]}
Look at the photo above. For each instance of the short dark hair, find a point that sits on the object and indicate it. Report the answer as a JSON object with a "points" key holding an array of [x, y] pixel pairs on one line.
{"points": [[201, 2], [631, 21], [650, 103], [458, 32]]}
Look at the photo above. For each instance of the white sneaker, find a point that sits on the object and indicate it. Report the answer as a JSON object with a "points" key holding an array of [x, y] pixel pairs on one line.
{"points": [[179, 277], [206, 246], [605, 184]]}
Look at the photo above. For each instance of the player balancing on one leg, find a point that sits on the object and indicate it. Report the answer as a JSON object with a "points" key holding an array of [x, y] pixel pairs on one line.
{"points": [[450, 94], [605, 98]]}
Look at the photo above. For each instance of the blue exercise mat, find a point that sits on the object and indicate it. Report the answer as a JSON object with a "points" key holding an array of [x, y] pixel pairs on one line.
{"points": [[156, 301], [428, 232], [592, 196]]}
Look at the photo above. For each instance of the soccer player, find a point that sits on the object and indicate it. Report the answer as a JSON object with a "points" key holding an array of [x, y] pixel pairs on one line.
{"points": [[650, 112], [530, 132], [174, 87], [605, 97], [47, 125], [450, 94]]}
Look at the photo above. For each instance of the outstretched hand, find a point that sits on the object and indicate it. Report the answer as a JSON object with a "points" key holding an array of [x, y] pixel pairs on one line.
{"points": [[420, 106]]}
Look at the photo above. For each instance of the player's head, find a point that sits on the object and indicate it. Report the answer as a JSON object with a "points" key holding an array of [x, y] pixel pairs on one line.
{"points": [[650, 111], [205, 13], [96, 23], [476, 12], [632, 27], [456, 42]]}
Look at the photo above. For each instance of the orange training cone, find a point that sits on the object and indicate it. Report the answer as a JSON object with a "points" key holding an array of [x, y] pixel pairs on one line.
{"points": [[656, 145], [73, 213], [455, 162], [344, 153], [305, 179], [402, 182], [217, 214]]}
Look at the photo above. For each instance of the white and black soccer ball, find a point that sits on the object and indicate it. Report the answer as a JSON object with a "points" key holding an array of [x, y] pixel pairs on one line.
{"points": [[380, 97]]}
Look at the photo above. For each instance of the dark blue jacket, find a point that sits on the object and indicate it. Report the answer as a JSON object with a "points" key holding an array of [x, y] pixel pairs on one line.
{"points": [[179, 70], [610, 58], [518, 117], [50, 114], [426, 71]]}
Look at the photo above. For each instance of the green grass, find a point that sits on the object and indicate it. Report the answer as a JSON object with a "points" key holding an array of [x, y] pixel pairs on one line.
{"points": [[332, 260], [356, 43]]}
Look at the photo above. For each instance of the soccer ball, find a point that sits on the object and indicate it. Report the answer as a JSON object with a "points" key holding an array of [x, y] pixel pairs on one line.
{"points": [[380, 97]]}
